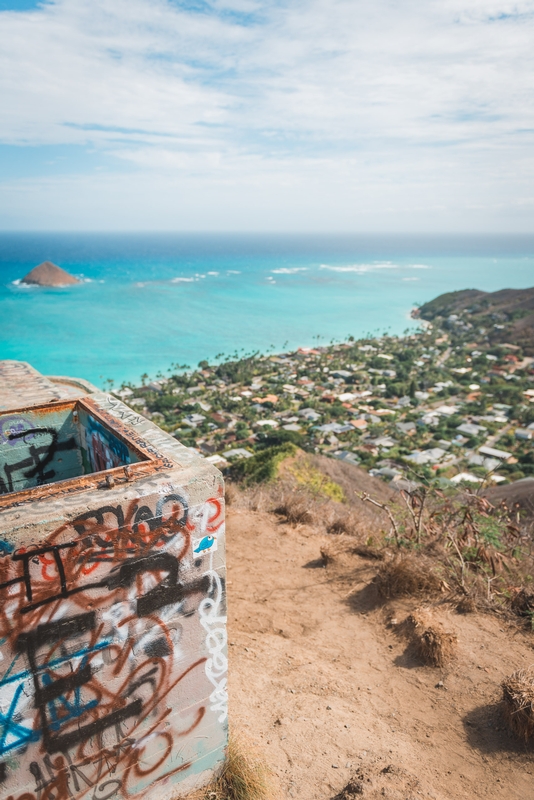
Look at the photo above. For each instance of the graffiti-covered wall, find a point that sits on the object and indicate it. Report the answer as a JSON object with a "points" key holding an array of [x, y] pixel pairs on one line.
{"points": [[55, 443], [112, 639], [38, 448]]}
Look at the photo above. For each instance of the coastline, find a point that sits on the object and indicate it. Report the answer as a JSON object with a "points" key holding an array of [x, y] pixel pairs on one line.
{"points": [[133, 329], [438, 404]]}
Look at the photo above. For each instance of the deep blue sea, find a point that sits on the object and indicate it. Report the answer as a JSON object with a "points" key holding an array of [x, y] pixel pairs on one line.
{"points": [[149, 301]]}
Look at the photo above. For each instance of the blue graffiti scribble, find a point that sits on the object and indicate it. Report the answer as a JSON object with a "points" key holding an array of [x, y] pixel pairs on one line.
{"points": [[70, 710], [5, 548], [204, 544], [12, 733]]}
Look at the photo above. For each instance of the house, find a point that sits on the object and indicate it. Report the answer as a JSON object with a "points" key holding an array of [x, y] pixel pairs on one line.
{"points": [[447, 411], [430, 456], [502, 455], [359, 424], [238, 452], [465, 477], [381, 441], [271, 398], [404, 402], [523, 433], [406, 427], [385, 472], [333, 427], [341, 373], [194, 419], [470, 429], [309, 414], [123, 393], [346, 455], [489, 464]]}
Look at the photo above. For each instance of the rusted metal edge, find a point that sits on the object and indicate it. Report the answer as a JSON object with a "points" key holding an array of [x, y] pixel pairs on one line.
{"points": [[151, 460]]}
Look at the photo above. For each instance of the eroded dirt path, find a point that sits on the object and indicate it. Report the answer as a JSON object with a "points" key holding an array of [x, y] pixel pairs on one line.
{"points": [[329, 691]]}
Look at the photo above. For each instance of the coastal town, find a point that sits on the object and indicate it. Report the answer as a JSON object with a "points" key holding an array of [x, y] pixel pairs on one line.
{"points": [[446, 403]]}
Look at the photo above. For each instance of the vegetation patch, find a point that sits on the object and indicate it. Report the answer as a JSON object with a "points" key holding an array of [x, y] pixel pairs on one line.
{"points": [[295, 508], [315, 481], [244, 776], [518, 703], [263, 466], [407, 575], [434, 645]]}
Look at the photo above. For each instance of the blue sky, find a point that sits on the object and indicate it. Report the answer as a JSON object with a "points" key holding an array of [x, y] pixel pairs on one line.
{"points": [[351, 115]]}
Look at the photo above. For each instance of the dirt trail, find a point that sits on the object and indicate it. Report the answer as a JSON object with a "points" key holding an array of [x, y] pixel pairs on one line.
{"points": [[329, 691]]}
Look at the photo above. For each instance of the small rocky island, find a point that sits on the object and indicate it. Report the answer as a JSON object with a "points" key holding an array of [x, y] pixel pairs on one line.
{"points": [[48, 274]]}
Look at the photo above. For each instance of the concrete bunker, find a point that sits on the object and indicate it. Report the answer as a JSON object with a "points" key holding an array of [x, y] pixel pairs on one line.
{"points": [[112, 599], [57, 442]]}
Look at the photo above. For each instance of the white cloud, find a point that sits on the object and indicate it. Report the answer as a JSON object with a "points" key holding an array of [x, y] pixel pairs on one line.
{"points": [[339, 113]]}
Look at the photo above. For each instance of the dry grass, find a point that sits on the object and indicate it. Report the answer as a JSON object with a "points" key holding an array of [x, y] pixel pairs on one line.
{"points": [[338, 526], [348, 524], [522, 603], [467, 605], [407, 575], [244, 776], [328, 555], [434, 645], [518, 703], [231, 493], [295, 509], [372, 553]]}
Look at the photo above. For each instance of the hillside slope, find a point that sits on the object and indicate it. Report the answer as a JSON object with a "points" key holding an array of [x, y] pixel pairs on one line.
{"points": [[511, 309], [329, 692]]}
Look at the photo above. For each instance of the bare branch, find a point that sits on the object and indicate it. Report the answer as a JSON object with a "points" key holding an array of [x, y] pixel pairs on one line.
{"points": [[366, 498]]}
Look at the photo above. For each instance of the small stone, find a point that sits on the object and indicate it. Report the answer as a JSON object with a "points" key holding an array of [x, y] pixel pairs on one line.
{"points": [[440, 685], [329, 708], [335, 766]]}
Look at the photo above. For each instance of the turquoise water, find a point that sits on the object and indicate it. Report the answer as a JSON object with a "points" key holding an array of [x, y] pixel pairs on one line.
{"points": [[153, 300]]}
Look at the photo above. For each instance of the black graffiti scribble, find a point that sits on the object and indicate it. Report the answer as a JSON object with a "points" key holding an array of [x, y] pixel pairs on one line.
{"points": [[169, 591], [37, 459], [52, 633]]}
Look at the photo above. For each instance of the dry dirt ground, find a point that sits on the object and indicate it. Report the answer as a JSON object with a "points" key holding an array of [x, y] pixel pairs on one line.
{"points": [[328, 690]]}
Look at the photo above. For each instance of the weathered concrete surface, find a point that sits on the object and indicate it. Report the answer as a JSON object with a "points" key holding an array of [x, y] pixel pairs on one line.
{"points": [[113, 625], [21, 385]]}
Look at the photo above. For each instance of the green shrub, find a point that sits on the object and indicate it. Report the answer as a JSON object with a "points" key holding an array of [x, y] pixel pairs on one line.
{"points": [[262, 466]]}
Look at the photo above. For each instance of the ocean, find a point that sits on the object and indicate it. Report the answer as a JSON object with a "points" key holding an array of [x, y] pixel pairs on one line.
{"points": [[150, 301]]}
